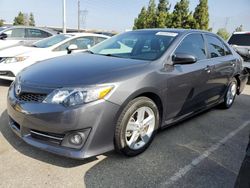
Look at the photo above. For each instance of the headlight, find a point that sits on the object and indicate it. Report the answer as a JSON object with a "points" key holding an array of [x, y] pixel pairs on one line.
{"points": [[76, 96], [14, 59]]}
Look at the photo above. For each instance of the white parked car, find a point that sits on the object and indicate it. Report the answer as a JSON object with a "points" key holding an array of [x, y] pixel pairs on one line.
{"points": [[20, 35], [14, 59]]}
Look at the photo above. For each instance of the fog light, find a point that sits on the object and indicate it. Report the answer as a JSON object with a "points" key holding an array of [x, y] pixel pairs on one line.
{"points": [[76, 139]]}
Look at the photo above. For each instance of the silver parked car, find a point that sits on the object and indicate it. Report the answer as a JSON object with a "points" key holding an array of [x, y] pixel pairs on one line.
{"points": [[18, 35], [119, 93]]}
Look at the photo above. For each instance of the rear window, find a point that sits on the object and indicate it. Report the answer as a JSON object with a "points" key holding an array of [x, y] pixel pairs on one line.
{"points": [[240, 39]]}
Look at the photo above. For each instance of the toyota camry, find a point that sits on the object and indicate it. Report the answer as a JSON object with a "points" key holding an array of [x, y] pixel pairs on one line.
{"points": [[118, 94]]}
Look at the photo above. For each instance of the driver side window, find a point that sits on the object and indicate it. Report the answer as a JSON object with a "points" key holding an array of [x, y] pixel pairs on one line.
{"points": [[193, 44]]}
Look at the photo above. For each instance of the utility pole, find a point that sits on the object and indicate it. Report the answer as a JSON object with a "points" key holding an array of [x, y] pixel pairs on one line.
{"points": [[226, 22], [79, 14], [64, 16]]}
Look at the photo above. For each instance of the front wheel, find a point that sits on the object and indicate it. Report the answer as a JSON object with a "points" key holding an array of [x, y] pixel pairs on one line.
{"points": [[230, 94], [136, 126]]}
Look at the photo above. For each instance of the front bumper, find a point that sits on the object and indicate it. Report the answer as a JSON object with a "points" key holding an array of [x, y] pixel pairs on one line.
{"points": [[51, 119]]}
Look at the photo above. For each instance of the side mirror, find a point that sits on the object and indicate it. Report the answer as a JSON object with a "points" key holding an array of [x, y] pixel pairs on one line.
{"points": [[71, 48], [182, 58], [3, 36]]}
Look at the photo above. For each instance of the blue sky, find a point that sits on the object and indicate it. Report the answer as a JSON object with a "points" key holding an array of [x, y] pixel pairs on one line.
{"points": [[119, 15]]}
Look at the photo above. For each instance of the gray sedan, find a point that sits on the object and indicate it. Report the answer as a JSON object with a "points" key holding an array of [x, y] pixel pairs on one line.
{"points": [[22, 35], [121, 92]]}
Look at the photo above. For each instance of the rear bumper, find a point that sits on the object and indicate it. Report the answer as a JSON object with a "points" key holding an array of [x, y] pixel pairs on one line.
{"points": [[243, 79]]}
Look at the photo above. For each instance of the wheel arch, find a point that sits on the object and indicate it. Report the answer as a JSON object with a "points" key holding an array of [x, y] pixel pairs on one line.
{"points": [[151, 93]]}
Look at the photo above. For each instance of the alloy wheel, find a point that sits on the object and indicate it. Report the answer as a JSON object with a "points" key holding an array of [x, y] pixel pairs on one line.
{"points": [[140, 128]]}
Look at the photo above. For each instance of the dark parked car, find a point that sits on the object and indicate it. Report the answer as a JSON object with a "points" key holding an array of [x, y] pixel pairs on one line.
{"points": [[120, 92]]}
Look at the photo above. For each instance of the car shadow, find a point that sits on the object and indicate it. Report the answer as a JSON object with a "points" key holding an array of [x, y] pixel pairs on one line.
{"points": [[168, 152], [35, 153]]}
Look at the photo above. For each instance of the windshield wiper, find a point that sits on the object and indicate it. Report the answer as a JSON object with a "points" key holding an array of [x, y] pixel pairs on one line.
{"points": [[89, 51], [111, 55]]}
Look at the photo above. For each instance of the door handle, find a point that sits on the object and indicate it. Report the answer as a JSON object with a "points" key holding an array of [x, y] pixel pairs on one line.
{"points": [[208, 69]]}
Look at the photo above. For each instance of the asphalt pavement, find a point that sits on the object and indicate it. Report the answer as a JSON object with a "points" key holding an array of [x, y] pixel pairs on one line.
{"points": [[204, 151]]}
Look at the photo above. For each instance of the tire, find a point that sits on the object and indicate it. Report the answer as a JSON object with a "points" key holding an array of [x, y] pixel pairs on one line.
{"points": [[133, 137], [229, 98]]}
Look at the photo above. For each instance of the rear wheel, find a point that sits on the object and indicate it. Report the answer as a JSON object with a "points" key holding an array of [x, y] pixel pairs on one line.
{"points": [[136, 126], [230, 94]]}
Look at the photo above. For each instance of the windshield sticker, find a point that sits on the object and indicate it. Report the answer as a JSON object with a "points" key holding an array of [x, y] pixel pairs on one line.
{"points": [[169, 34]]}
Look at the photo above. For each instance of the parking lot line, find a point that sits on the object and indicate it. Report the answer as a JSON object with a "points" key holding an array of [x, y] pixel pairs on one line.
{"points": [[183, 171]]}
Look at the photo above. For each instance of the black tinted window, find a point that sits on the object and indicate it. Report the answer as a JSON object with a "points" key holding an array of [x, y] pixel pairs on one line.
{"points": [[193, 44], [215, 46], [240, 39], [36, 33]]}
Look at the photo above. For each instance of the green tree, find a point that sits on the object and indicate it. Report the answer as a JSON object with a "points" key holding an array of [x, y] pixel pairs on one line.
{"points": [[210, 29], [240, 28], [181, 14], [162, 14], [222, 32], [31, 20], [1, 22], [151, 15], [140, 21], [190, 22], [201, 15], [19, 20]]}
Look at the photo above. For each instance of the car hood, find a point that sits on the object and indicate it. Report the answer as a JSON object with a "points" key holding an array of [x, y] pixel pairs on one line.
{"points": [[78, 69], [19, 50]]}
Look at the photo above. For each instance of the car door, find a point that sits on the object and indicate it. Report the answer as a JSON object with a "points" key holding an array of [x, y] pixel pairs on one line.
{"points": [[221, 65], [186, 87]]}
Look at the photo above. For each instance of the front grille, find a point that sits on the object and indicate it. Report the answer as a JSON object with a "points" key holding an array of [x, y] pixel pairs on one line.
{"points": [[32, 97], [45, 136]]}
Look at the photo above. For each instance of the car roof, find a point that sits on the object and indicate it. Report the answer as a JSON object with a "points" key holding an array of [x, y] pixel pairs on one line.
{"points": [[32, 27], [87, 34], [179, 31]]}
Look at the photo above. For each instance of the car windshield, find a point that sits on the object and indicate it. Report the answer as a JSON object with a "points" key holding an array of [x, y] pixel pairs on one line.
{"points": [[240, 39], [48, 42], [148, 45]]}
